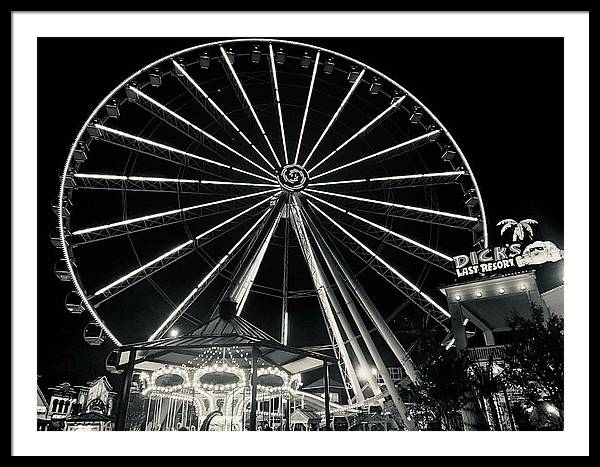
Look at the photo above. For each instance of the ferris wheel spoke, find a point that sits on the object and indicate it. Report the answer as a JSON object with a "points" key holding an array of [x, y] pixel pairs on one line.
{"points": [[277, 101], [409, 212], [387, 271], [165, 152], [230, 71], [206, 280], [156, 149], [335, 116], [388, 152], [400, 243], [243, 286], [246, 184], [369, 126], [133, 183], [201, 96], [308, 98], [84, 239], [158, 219], [400, 181], [180, 123], [395, 239], [156, 184], [173, 255]]}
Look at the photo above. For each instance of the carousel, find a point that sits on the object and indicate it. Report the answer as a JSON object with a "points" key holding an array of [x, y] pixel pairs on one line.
{"points": [[227, 375]]}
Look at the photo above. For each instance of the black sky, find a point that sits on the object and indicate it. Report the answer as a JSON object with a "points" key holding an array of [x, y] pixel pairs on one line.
{"points": [[502, 99]]}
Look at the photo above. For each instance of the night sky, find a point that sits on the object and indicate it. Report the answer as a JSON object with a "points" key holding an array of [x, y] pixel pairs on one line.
{"points": [[502, 100]]}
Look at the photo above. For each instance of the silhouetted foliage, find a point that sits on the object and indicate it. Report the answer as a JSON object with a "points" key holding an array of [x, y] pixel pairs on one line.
{"points": [[534, 361], [136, 413], [444, 383]]}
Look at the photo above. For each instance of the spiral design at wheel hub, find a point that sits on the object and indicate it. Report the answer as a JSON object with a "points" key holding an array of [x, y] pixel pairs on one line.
{"points": [[293, 178]]}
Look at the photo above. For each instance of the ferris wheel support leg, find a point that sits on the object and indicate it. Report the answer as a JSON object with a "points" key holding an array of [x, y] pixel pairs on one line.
{"points": [[351, 338], [319, 282], [380, 323], [375, 355], [362, 328], [335, 304], [339, 313]]}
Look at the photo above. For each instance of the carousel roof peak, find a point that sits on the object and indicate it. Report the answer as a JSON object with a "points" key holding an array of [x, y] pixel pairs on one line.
{"points": [[227, 329], [230, 325]]}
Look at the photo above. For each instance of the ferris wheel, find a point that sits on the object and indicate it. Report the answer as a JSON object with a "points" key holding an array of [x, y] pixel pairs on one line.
{"points": [[201, 161]]}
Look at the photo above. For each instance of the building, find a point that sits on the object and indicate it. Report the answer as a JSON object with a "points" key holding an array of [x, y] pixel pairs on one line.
{"points": [[337, 390], [555, 300], [488, 303], [42, 410], [81, 408], [62, 399], [480, 310], [396, 373], [483, 307]]}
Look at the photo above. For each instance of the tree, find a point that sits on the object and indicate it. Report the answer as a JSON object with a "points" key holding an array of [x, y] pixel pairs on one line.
{"points": [[489, 380], [445, 382], [534, 361], [136, 412]]}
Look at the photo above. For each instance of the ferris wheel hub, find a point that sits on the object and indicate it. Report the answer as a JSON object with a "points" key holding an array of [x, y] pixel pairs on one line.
{"points": [[293, 178]]}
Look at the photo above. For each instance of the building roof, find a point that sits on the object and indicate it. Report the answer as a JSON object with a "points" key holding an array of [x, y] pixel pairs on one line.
{"points": [[102, 379], [304, 415], [555, 300]]}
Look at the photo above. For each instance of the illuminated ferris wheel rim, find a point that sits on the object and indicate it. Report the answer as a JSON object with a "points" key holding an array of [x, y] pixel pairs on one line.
{"points": [[301, 167]]}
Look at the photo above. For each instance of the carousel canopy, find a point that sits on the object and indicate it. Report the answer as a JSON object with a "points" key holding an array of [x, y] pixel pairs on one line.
{"points": [[226, 332]]}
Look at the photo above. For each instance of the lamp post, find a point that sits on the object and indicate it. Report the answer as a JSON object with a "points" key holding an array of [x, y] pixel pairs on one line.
{"points": [[253, 390]]}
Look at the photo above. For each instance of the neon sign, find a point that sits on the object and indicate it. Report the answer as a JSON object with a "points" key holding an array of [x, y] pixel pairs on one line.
{"points": [[513, 255]]}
